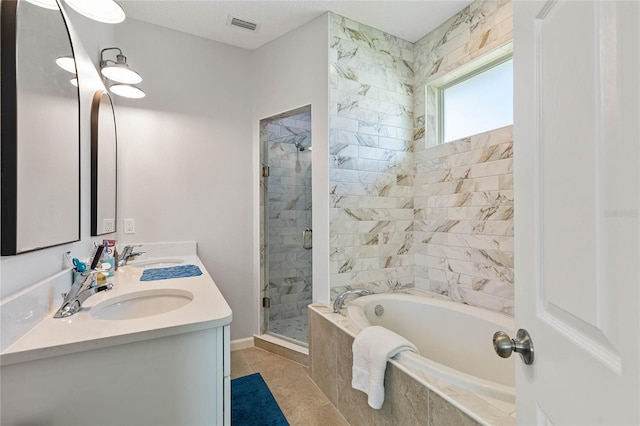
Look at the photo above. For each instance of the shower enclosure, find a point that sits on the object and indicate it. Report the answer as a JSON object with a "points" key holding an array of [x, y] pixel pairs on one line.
{"points": [[286, 236]]}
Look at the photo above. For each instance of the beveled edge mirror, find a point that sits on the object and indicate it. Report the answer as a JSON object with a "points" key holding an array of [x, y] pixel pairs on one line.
{"points": [[103, 165], [40, 129]]}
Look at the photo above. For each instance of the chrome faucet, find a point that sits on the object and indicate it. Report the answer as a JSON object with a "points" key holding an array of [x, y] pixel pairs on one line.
{"points": [[128, 253], [83, 287], [337, 304]]}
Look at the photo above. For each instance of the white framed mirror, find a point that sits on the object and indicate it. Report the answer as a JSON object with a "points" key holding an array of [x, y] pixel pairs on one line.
{"points": [[103, 164], [40, 130]]}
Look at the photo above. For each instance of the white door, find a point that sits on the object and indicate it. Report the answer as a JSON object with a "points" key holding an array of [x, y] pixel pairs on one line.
{"points": [[577, 191]]}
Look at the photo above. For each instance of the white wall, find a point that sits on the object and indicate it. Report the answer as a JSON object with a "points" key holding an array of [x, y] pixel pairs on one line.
{"points": [[188, 161], [184, 154], [291, 72], [188, 152]]}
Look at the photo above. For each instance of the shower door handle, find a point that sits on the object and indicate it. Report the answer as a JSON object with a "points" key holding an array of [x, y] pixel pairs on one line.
{"points": [[307, 241], [522, 344]]}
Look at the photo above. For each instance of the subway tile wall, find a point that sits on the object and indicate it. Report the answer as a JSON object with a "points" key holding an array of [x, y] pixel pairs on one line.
{"points": [[405, 212], [371, 162], [463, 229], [477, 29]]}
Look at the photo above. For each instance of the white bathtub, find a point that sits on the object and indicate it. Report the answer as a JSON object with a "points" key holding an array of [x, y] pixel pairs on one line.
{"points": [[454, 340]]}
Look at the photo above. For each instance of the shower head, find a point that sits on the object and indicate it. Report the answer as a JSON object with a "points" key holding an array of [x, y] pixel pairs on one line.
{"points": [[299, 146]]}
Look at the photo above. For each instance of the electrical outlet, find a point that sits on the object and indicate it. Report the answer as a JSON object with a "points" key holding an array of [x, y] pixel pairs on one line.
{"points": [[109, 225], [129, 226]]}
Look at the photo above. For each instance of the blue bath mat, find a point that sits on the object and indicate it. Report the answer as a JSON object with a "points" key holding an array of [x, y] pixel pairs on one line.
{"points": [[182, 271], [252, 403]]}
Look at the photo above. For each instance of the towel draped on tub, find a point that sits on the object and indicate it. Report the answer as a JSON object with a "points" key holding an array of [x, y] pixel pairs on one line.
{"points": [[372, 347]]}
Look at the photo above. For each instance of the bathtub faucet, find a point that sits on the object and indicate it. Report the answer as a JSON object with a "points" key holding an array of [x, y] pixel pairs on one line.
{"points": [[337, 304]]}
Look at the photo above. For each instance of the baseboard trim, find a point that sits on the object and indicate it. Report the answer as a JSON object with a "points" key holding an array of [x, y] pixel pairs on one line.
{"points": [[239, 344]]}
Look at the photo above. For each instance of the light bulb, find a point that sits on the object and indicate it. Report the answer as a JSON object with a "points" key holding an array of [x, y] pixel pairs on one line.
{"points": [[127, 91], [107, 11], [67, 63], [121, 73], [47, 4]]}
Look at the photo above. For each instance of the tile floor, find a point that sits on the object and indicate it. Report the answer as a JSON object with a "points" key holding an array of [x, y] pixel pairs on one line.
{"points": [[301, 401], [295, 328]]}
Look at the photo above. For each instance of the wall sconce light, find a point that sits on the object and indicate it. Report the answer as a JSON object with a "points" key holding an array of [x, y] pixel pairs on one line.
{"points": [[107, 11], [120, 72]]}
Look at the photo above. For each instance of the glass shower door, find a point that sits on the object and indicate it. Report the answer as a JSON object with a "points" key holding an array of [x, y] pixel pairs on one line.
{"points": [[287, 231]]}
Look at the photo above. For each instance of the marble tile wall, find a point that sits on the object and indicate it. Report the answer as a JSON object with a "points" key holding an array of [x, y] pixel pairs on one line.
{"points": [[477, 29], [406, 212], [371, 166], [287, 265], [463, 229], [464, 221]]}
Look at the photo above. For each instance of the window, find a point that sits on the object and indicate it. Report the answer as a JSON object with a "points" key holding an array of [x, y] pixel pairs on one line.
{"points": [[474, 98], [478, 103]]}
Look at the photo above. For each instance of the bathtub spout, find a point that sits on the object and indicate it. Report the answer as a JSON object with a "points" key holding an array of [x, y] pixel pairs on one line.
{"points": [[337, 304]]}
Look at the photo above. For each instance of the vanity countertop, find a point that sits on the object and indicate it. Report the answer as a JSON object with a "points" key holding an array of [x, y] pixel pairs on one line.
{"points": [[81, 332]]}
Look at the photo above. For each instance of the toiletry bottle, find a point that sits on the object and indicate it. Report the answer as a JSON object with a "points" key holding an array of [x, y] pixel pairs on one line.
{"points": [[107, 256]]}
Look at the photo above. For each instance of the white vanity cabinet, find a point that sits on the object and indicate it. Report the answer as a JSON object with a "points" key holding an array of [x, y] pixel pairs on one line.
{"points": [[167, 369], [171, 380]]}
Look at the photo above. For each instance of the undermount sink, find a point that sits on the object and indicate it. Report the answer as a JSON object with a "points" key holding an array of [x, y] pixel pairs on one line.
{"points": [[156, 263], [141, 304]]}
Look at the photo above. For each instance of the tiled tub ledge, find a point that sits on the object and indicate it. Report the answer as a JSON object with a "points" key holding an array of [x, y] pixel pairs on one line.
{"points": [[411, 396]]}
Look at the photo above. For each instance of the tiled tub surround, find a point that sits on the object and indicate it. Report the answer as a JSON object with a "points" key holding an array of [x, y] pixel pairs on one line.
{"points": [[371, 168], [288, 188], [463, 229], [464, 221], [411, 396], [404, 215]]}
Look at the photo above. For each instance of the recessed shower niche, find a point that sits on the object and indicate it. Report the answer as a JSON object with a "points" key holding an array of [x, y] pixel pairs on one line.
{"points": [[286, 236]]}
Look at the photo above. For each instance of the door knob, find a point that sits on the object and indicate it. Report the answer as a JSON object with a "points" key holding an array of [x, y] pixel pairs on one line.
{"points": [[522, 344]]}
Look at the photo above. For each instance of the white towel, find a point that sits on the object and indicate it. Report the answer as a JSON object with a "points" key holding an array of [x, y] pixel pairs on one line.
{"points": [[371, 349]]}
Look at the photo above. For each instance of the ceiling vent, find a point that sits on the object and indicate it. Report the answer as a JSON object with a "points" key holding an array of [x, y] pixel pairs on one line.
{"points": [[241, 23]]}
